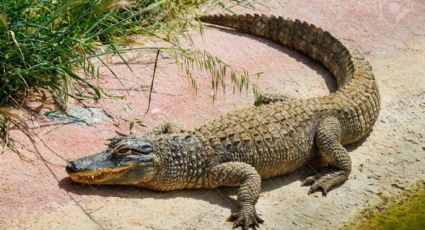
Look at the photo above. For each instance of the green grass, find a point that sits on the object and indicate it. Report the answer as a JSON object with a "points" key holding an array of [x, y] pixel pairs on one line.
{"points": [[51, 45], [404, 211], [43, 43]]}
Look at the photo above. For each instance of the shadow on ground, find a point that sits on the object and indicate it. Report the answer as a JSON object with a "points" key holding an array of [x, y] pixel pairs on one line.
{"points": [[218, 196]]}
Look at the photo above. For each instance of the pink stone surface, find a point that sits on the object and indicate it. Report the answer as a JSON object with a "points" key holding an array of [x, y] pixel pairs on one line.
{"points": [[389, 32]]}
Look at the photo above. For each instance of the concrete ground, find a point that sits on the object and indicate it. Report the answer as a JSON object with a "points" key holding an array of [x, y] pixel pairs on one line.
{"points": [[390, 33]]}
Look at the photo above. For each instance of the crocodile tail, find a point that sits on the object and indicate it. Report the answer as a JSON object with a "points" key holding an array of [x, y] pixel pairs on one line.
{"points": [[308, 39], [357, 98]]}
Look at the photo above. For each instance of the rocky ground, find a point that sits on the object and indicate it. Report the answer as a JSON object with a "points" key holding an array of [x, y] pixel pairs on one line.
{"points": [[390, 33]]}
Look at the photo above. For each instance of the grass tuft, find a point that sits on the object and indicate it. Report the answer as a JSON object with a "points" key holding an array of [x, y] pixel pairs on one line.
{"points": [[52, 44], [44, 42]]}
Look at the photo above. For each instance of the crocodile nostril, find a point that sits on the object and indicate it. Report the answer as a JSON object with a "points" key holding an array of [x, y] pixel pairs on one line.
{"points": [[71, 168]]}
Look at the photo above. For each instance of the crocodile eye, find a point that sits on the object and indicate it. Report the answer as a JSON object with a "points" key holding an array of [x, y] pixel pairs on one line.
{"points": [[123, 151]]}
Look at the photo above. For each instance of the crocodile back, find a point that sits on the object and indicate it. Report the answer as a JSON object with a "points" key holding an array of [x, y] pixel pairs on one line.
{"points": [[356, 102], [275, 139]]}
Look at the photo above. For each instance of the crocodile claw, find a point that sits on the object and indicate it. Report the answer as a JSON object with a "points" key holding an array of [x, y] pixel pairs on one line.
{"points": [[310, 180], [324, 181], [246, 219], [317, 183], [317, 187]]}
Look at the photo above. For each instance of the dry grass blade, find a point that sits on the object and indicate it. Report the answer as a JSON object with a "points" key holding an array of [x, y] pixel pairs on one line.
{"points": [[153, 79]]}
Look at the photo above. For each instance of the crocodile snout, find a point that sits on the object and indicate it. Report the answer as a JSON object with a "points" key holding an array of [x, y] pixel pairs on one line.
{"points": [[71, 168]]}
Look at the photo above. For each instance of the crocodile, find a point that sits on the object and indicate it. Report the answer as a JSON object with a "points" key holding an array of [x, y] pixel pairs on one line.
{"points": [[276, 136]]}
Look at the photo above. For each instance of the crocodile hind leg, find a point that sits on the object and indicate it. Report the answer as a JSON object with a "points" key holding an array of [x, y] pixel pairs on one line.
{"points": [[265, 99], [245, 176], [328, 139]]}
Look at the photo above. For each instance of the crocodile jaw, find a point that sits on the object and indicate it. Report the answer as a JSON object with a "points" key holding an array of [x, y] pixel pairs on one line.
{"points": [[98, 176]]}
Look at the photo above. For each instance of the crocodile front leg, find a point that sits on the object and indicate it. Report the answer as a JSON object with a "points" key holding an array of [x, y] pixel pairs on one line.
{"points": [[245, 176], [168, 128], [328, 139], [265, 99]]}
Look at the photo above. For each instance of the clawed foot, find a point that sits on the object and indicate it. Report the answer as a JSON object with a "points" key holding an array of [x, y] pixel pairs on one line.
{"points": [[325, 181], [265, 99], [246, 218], [168, 128]]}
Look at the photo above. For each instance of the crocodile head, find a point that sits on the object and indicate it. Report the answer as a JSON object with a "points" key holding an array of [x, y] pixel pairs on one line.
{"points": [[127, 160], [133, 160]]}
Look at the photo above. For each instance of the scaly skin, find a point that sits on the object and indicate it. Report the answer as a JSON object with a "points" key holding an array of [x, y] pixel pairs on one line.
{"points": [[275, 137]]}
